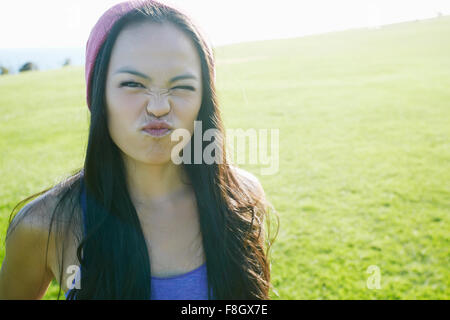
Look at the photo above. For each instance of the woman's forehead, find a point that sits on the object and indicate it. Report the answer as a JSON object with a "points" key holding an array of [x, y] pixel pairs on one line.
{"points": [[152, 47], [154, 40]]}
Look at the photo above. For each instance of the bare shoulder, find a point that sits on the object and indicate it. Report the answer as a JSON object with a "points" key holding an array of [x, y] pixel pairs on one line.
{"points": [[32, 226], [250, 181], [36, 215], [26, 268], [41, 221]]}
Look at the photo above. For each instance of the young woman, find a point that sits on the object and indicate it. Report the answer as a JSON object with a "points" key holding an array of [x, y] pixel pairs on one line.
{"points": [[133, 224]]}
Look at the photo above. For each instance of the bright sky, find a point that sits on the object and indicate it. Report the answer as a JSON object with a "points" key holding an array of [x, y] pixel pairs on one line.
{"points": [[64, 23]]}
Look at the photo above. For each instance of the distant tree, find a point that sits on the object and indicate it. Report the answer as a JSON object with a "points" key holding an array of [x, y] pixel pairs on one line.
{"points": [[3, 70], [28, 66], [67, 62], [439, 14]]}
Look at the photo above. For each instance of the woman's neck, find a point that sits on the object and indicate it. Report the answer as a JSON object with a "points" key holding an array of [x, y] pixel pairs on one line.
{"points": [[152, 184]]}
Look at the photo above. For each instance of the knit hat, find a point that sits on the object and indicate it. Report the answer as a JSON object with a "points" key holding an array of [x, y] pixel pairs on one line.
{"points": [[102, 28], [99, 33]]}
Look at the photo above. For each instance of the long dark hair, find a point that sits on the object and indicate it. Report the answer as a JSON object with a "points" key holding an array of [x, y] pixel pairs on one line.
{"points": [[231, 211]]}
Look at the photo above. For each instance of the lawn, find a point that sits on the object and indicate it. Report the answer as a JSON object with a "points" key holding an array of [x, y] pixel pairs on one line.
{"points": [[364, 152]]}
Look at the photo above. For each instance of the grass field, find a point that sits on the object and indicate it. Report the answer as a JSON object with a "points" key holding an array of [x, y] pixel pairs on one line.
{"points": [[364, 173]]}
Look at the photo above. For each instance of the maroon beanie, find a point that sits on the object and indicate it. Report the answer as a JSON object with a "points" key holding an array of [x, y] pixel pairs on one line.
{"points": [[100, 32], [101, 29]]}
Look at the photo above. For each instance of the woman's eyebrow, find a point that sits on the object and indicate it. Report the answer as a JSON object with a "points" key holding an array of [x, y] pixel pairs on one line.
{"points": [[142, 75]]}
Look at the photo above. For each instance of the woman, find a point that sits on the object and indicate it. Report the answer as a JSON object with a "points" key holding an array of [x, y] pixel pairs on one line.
{"points": [[132, 224]]}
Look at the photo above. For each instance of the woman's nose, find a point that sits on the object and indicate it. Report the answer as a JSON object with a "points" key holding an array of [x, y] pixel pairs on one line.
{"points": [[158, 104]]}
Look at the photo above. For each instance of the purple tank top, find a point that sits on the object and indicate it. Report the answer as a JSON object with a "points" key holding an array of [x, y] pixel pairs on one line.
{"points": [[192, 285]]}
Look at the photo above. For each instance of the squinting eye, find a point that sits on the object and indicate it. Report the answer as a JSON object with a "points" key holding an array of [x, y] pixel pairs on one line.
{"points": [[185, 87], [133, 84]]}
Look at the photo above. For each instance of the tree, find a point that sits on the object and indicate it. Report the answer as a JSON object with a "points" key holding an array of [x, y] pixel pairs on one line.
{"points": [[28, 66]]}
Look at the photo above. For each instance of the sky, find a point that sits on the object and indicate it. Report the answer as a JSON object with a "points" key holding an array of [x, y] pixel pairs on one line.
{"points": [[64, 23]]}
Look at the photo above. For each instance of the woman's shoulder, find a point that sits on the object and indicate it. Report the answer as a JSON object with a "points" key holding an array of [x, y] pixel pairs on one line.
{"points": [[40, 209], [35, 214], [28, 237], [249, 181], [39, 223], [37, 217]]}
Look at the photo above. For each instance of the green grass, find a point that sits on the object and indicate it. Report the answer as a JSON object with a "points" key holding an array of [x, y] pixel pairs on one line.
{"points": [[364, 173]]}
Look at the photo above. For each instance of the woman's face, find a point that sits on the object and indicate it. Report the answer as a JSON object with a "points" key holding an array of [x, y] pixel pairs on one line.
{"points": [[147, 57]]}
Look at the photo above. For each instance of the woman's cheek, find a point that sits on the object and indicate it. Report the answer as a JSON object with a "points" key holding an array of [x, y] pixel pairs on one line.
{"points": [[120, 116], [126, 101], [186, 111]]}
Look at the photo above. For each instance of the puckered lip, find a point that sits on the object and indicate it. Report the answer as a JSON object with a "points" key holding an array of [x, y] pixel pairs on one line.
{"points": [[157, 124]]}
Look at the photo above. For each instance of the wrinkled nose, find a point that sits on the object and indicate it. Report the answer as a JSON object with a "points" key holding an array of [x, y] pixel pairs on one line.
{"points": [[158, 103]]}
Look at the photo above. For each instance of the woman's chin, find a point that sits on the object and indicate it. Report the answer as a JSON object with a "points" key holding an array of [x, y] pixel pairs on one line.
{"points": [[158, 159]]}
